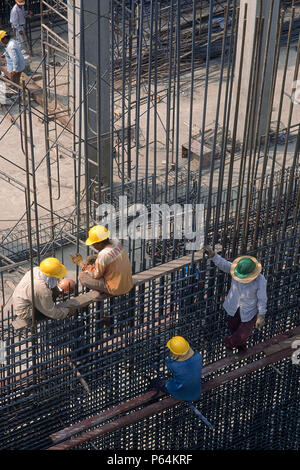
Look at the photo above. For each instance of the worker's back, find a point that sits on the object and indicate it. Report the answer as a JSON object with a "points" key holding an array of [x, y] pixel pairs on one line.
{"points": [[113, 264], [186, 382], [22, 300]]}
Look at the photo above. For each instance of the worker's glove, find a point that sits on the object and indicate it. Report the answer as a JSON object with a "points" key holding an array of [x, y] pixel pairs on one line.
{"points": [[260, 322], [159, 385], [208, 251], [77, 259]]}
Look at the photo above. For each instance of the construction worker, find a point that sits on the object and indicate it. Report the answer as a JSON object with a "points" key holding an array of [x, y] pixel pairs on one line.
{"points": [[246, 302], [18, 20], [15, 62], [186, 367], [111, 274], [46, 277]]}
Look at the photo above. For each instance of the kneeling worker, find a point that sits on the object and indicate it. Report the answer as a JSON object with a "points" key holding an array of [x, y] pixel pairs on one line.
{"points": [[46, 277], [186, 367], [111, 274]]}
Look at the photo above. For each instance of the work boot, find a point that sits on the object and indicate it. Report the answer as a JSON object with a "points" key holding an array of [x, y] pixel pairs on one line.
{"points": [[230, 353]]}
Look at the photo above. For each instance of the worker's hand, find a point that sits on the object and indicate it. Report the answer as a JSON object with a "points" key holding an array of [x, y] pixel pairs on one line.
{"points": [[21, 32], [13, 74], [88, 267], [2, 56], [77, 259], [31, 13], [260, 322], [208, 251]]}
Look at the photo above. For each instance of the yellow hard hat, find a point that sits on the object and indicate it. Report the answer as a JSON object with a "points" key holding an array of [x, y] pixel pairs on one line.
{"points": [[2, 34], [97, 234], [178, 345], [52, 267]]}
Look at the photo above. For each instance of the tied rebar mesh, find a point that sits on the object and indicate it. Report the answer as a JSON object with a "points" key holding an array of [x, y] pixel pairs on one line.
{"points": [[65, 371], [103, 356]]}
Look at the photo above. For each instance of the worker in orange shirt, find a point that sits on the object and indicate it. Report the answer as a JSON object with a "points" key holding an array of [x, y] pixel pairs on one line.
{"points": [[111, 274]]}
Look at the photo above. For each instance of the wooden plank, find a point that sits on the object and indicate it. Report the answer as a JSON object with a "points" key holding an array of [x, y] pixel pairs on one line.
{"points": [[167, 268]]}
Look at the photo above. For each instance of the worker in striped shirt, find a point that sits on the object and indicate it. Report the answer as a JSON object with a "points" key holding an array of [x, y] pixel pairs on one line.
{"points": [[111, 274]]}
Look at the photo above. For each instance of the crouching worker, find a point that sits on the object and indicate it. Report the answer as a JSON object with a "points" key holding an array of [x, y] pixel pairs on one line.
{"points": [[246, 302], [186, 367], [46, 277], [111, 272]]}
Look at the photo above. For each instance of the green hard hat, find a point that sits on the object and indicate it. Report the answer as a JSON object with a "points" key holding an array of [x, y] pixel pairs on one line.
{"points": [[244, 267]]}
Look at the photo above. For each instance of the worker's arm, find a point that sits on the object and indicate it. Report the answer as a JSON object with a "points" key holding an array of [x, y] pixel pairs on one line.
{"points": [[261, 302], [172, 384], [221, 263], [98, 270], [44, 303], [262, 296]]}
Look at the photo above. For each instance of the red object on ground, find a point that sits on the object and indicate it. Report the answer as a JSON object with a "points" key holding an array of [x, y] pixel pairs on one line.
{"points": [[65, 283]]}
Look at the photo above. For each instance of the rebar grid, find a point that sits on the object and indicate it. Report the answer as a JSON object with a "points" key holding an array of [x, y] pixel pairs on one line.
{"points": [[62, 372]]}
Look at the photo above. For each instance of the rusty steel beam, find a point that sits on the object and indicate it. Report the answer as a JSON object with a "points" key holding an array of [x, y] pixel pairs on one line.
{"points": [[99, 418], [163, 404], [168, 402]]}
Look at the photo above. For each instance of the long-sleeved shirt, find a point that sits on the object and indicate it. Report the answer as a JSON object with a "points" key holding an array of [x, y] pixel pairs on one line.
{"points": [[186, 382], [15, 61], [113, 265], [17, 17], [251, 298], [22, 299]]}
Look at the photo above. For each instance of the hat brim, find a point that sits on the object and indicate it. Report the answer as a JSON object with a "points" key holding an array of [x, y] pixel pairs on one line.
{"points": [[255, 273]]}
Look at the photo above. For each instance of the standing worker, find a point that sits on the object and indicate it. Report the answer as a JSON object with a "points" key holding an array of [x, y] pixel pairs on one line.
{"points": [[246, 302], [111, 274], [46, 277], [18, 21], [186, 367], [15, 62]]}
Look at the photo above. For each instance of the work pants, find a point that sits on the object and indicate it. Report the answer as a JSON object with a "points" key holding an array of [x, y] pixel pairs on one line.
{"points": [[94, 284], [240, 332]]}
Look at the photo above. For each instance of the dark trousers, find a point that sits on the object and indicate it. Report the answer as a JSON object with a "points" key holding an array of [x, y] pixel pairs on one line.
{"points": [[16, 78], [240, 332]]}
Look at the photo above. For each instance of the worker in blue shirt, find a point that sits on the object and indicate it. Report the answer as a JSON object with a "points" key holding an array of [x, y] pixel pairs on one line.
{"points": [[15, 62], [186, 367]]}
